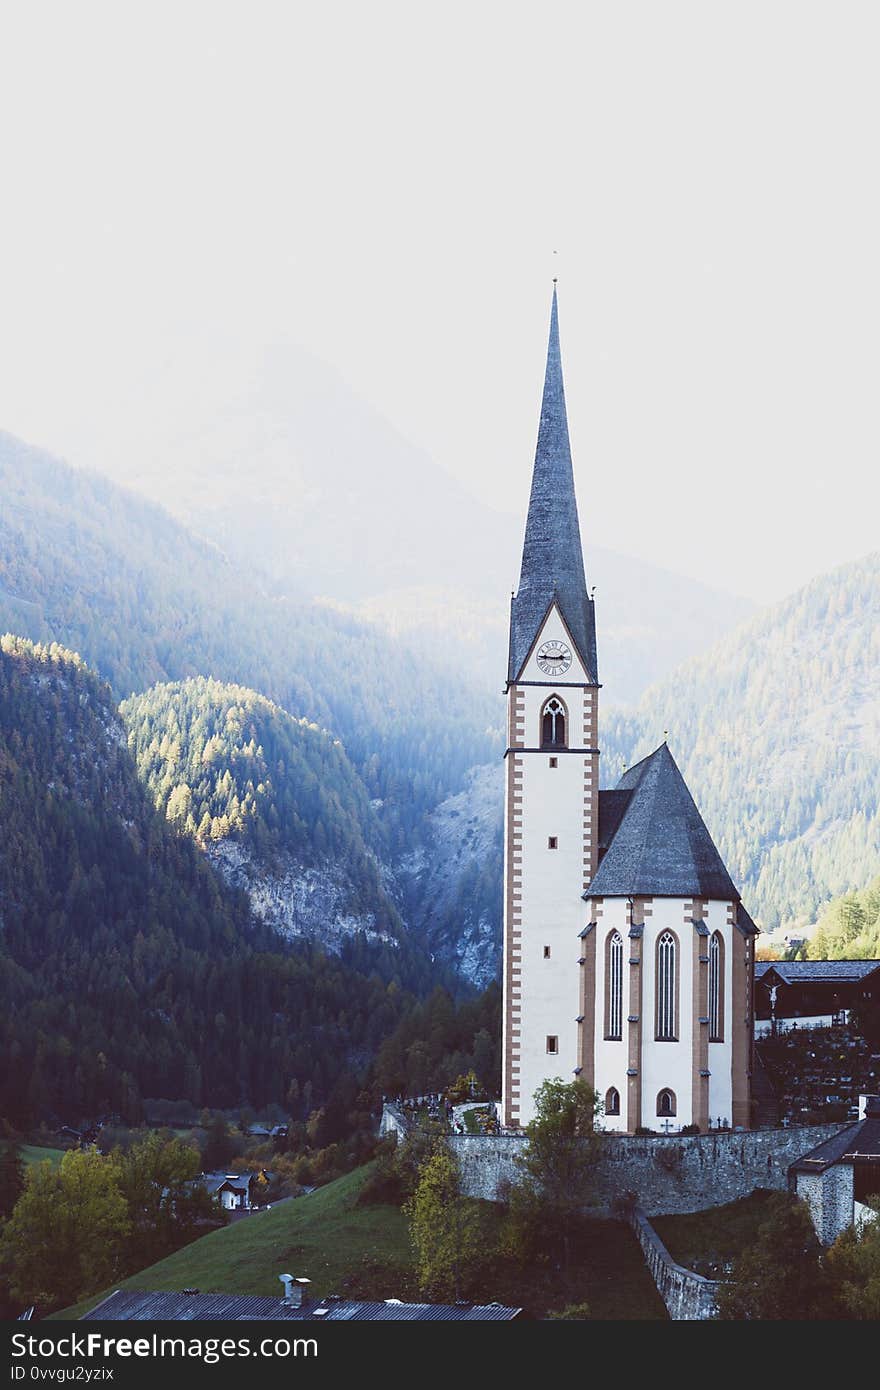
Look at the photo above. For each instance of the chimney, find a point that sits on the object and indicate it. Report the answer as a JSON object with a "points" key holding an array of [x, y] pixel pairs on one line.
{"points": [[294, 1290]]}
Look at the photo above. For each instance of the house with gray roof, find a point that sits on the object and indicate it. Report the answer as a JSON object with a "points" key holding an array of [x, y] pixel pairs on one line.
{"points": [[812, 993], [839, 1177]]}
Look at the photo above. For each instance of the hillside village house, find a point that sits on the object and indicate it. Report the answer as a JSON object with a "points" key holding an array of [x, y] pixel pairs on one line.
{"points": [[238, 1191], [838, 1177]]}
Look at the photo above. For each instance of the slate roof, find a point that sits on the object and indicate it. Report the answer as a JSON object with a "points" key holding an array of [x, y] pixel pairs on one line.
{"points": [[745, 923], [212, 1182], [802, 972], [660, 845], [612, 805], [134, 1305], [858, 1142], [552, 559]]}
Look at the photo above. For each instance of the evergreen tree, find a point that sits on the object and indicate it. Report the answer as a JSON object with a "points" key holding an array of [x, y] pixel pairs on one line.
{"points": [[12, 1176]]}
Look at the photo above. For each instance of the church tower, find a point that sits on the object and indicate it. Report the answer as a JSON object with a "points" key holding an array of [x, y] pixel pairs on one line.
{"points": [[628, 954], [552, 779]]}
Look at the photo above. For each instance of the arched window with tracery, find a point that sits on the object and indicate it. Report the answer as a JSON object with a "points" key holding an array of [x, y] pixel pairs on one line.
{"points": [[612, 1101], [553, 723], [614, 986], [666, 985], [716, 987], [666, 1105]]}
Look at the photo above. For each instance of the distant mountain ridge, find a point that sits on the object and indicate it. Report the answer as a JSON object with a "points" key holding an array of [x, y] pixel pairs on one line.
{"points": [[291, 473]]}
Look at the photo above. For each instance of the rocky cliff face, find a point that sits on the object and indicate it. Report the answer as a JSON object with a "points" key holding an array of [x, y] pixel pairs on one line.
{"points": [[298, 901], [451, 884]]}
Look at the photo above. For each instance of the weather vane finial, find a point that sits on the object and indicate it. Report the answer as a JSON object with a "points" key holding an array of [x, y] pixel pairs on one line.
{"points": [[555, 266]]}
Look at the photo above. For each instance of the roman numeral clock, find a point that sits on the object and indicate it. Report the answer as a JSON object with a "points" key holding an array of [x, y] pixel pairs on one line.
{"points": [[554, 658]]}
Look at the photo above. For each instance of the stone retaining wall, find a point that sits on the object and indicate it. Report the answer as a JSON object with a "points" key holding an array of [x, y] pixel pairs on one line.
{"points": [[678, 1174], [687, 1295]]}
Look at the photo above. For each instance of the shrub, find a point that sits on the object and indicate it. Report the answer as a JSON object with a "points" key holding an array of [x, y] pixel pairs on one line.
{"points": [[575, 1312]]}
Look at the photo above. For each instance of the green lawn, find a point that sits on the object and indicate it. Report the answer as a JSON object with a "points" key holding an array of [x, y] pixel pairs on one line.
{"points": [[707, 1241], [364, 1252], [32, 1153], [343, 1248]]}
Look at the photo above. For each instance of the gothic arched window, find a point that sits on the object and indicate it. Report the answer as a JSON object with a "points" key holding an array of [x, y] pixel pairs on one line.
{"points": [[612, 1101], [666, 986], [716, 988], [553, 723], [666, 1103], [614, 986]]}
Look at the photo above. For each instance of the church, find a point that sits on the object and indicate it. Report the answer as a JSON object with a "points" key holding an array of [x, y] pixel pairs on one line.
{"points": [[628, 955]]}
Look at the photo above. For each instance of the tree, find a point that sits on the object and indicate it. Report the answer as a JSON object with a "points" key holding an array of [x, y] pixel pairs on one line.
{"points": [[12, 1176], [854, 1263], [156, 1179], [65, 1237], [444, 1227], [782, 1274], [219, 1145], [560, 1158]]}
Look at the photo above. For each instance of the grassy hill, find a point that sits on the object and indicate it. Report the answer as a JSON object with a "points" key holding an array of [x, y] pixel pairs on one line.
{"points": [[364, 1252], [34, 1153]]}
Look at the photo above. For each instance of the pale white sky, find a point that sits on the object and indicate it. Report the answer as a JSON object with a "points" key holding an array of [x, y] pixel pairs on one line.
{"points": [[385, 184]]}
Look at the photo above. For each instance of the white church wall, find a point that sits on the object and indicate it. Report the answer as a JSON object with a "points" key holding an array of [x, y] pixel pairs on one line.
{"points": [[611, 1056], [663, 1064], [554, 805], [667, 1064], [721, 1053]]}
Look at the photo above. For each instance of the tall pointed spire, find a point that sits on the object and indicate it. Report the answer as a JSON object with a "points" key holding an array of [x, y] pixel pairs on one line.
{"points": [[552, 560]]}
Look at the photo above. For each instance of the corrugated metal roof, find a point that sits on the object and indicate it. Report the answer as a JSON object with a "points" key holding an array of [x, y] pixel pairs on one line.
{"points": [[133, 1305]]}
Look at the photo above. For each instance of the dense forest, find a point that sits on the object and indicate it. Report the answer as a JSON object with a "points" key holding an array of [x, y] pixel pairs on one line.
{"points": [[127, 967], [111, 576], [848, 929], [777, 732], [224, 763]]}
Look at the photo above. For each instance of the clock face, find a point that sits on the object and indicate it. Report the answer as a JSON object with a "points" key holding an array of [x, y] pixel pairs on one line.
{"points": [[554, 658]]}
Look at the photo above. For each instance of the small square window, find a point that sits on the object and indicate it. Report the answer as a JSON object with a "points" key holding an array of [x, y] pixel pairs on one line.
{"points": [[552, 842], [552, 1045], [554, 762], [546, 952]]}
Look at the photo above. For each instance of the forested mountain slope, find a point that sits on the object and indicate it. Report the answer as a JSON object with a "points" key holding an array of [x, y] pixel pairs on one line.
{"points": [[273, 800], [777, 731], [107, 574], [849, 928], [127, 967]]}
